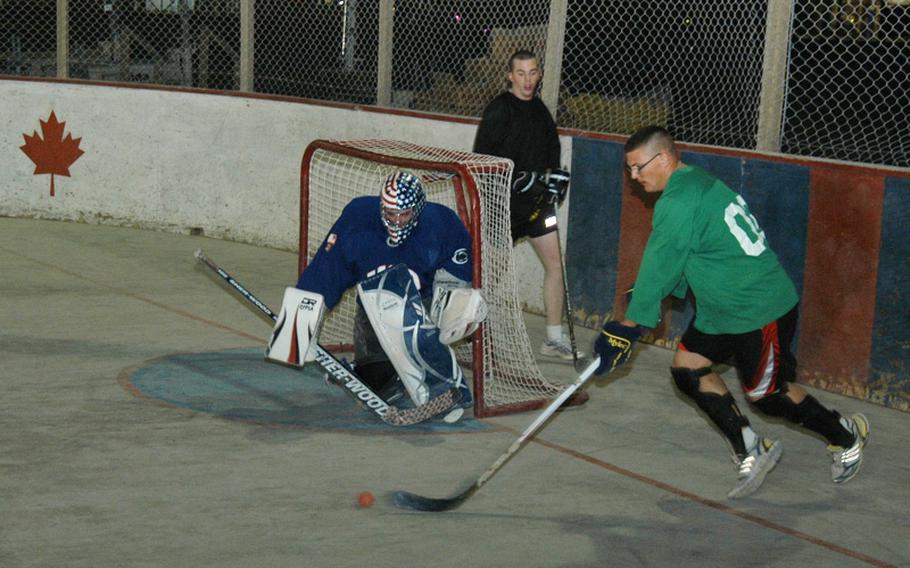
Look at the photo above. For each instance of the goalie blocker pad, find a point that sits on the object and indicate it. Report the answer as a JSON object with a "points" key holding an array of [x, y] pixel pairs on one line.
{"points": [[410, 339], [293, 340]]}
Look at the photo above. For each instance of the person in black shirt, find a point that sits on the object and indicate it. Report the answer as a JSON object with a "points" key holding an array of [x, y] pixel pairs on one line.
{"points": [[518, 126]]}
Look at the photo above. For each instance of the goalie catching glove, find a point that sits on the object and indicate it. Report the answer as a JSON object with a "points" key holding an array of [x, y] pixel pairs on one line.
{"points": [[614, 345], [296, 330], [458, 312]]}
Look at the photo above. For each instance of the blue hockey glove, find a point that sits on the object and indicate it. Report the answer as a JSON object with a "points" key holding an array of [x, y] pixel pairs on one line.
{"points": [[614, 345]]}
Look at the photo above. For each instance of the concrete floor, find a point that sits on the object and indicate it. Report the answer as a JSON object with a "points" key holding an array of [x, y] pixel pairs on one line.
{"points": [[108, 458]]}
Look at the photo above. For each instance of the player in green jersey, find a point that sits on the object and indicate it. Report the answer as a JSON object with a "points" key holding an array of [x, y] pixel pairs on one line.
{"points": [[705, 240]]}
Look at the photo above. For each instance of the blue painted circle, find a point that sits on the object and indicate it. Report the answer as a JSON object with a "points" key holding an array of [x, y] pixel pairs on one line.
{"points": [[239, 385]]}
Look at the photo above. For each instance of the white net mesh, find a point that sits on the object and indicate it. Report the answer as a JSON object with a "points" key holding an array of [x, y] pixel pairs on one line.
{"points": [[506, 372]]}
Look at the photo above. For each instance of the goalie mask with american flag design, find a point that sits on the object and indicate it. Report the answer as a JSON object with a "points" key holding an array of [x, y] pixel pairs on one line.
{"points": [[401, 200]]}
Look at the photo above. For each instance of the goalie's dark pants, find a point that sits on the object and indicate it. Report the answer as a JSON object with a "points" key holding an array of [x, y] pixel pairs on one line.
{"points": [[766, 365]]}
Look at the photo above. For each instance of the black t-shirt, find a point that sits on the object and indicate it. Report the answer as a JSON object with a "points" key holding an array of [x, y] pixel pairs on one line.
{"points": [[523, 131]]}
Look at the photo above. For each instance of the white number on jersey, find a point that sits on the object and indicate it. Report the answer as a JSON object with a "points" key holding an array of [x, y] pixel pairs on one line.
{"points": [[752, 244]]}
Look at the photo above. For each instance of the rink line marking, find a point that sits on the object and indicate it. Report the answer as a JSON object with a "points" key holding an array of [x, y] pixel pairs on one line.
{"points": [[713, 504], [193, 317]]}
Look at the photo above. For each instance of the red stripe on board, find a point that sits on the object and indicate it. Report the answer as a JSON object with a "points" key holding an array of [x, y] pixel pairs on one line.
{"points": [[843, 238], [634, 230]]}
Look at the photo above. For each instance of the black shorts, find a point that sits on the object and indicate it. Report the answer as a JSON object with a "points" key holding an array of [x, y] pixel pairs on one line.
{"points": [[531, 217], [762, 357]]}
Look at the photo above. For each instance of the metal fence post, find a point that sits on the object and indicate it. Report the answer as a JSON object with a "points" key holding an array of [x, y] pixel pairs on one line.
{"points": [[384, 57], [552, 67], [63, 39], [247, 44], [774, 75]]}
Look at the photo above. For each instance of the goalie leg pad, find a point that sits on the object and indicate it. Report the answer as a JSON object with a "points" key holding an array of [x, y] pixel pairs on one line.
{"points": [[293, 340], [410, 339]]}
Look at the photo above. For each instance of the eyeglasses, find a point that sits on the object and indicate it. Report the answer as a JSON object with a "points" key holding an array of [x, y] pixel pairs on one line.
{"points": [[635, 169]]}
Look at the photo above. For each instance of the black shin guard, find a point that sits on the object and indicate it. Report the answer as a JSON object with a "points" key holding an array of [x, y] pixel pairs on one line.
{"points": [[809, 414], [721, 409]]}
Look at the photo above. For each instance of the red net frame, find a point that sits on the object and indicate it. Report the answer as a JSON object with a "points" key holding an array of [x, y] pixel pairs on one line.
{"points": [[525, 387]]}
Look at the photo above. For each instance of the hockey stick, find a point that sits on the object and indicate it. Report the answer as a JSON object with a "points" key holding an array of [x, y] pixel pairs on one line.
{"points": [[340, 375], [407, 500], [565, 287]]}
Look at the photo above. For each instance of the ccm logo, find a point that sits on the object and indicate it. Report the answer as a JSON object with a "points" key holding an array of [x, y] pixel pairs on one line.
{"points": [[307, 304], [460, 256]]}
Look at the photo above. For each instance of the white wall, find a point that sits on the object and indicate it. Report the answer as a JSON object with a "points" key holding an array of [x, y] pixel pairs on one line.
{"points": [[171, 160]]}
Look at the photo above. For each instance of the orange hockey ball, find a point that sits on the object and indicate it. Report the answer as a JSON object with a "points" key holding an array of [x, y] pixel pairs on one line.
{"points": [[365, 499]]}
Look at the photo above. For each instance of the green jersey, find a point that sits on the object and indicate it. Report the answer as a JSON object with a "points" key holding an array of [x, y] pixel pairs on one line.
{"points": [[703, 237]]}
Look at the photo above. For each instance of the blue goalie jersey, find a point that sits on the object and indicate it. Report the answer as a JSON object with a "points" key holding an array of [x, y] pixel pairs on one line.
{"points": [[356, 245]]}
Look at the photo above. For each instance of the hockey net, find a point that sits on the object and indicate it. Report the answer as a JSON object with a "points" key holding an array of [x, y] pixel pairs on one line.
{"points": [[506, 377]]}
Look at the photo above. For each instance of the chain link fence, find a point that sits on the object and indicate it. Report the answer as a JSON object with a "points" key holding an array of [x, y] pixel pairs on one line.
{"points": [[28, 38], [450, 57], [318, 49], [692, 66], [824, 79], [849, 90]]}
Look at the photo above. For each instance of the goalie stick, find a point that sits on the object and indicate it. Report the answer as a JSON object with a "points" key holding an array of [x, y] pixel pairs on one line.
{"points": [[343, 377], [407, 500]]}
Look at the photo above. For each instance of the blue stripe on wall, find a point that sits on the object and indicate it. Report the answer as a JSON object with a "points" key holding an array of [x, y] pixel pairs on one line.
{"points": [[890, 359], [592, 248], [778, 196]]}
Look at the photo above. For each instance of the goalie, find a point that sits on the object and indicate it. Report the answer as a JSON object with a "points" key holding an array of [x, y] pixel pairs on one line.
{"points": [[411, 263]]}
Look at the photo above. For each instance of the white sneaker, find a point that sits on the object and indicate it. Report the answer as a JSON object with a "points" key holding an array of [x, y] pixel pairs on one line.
{"points": [[560, 348], [754, 466], [847, 460]]}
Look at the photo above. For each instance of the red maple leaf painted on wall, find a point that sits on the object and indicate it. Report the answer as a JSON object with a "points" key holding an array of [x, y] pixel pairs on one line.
{"points": [[53, 154]]}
